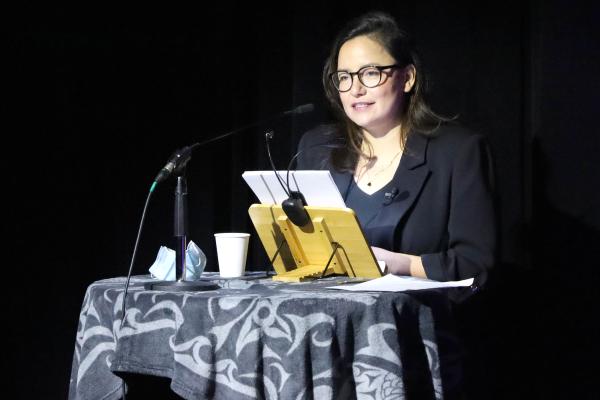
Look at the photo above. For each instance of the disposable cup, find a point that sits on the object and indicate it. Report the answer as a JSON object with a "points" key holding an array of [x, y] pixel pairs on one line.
{"points": [[232, 249]]}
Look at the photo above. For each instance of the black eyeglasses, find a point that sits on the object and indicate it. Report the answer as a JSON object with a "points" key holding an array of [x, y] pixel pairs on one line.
{"points": [[369, 76]]}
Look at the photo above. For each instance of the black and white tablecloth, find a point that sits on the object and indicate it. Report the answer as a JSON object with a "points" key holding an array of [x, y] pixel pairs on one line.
{"points": [[264, 339]]}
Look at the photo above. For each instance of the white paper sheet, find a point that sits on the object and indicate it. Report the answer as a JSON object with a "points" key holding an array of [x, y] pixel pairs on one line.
{"points": [[393, 283], [318, 187]]}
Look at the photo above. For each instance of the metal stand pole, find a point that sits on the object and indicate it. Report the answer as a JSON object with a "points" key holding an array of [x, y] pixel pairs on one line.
{"points": [[180, 231]]}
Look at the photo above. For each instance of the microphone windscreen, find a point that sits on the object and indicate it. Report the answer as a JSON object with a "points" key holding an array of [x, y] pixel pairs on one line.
{"points": [[305, 108]]}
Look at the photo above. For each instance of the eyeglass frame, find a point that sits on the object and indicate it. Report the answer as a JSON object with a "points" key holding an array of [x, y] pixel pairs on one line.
{"points": [[380, 68]]}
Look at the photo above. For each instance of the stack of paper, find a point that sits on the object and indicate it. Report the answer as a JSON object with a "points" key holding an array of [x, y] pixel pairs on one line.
{"points": [[394, 283]]}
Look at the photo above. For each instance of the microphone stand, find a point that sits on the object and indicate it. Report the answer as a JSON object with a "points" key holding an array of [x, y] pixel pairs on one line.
{"points": [[176, 166], [180, 233]]}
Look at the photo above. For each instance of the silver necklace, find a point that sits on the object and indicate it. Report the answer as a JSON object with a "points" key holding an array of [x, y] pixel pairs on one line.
{"points": [[372, 177]]}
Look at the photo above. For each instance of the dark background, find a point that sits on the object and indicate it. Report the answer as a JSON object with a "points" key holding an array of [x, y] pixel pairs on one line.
{"points": [[98, 97]]}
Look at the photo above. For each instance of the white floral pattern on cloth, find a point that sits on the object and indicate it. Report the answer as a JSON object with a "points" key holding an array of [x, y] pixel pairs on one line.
{"points": [[263, 340]]}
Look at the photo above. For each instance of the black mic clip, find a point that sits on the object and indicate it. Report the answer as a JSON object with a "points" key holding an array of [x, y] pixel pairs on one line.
{"points": [[176, 164], [388, 197]]}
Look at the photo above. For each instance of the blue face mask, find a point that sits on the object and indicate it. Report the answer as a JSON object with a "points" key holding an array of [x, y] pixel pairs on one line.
{"points": [[164, 265]]}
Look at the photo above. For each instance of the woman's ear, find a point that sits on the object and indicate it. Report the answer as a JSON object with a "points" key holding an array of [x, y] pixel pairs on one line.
{"points": [[410, 77]]}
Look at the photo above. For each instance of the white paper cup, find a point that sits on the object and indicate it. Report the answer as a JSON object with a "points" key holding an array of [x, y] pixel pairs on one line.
{"points": [[232, 249]]}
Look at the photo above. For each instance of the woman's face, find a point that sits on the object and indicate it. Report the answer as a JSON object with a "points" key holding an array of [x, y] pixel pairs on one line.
{"points": [[377, 109]]}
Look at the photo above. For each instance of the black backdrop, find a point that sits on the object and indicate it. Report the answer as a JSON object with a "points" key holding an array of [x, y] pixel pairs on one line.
{"points": [[99, 96]]}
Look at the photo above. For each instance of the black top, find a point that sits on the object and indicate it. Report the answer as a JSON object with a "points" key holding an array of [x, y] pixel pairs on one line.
{"points": [[368, 206], [442, 208]]}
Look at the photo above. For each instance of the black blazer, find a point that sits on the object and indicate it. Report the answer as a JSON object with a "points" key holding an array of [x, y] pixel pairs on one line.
{"points": [[444, 207]]}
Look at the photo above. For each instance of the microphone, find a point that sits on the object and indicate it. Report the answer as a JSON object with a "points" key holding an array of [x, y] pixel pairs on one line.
{"points": [[304, 108], [388, 197], [293, 206], [179, 158]]}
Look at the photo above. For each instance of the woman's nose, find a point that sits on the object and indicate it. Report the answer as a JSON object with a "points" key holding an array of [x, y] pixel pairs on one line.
{"points": [[357, 88]]}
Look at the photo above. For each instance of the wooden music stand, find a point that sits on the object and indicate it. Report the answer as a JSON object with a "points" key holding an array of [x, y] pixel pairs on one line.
{"points": [[333, 243]]}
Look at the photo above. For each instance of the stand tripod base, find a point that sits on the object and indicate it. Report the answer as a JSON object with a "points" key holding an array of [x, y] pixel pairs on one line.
{"points": [[181, 286]]}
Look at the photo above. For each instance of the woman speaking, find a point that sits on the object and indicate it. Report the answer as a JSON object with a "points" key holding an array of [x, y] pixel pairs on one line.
{"points": [[421, 186]]}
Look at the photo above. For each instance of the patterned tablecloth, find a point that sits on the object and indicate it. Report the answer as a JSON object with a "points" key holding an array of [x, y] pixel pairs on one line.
{"points": [[264, 339]]}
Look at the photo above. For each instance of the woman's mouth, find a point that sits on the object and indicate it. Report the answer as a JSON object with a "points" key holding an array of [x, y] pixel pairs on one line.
{"points": [[361, 105]]}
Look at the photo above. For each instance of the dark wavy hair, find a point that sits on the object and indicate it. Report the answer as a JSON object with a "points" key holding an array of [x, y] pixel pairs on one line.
{"points": [[418, 117]]}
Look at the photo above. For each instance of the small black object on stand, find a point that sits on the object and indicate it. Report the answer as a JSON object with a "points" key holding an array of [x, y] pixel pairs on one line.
{"points": [[180, 284]]}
